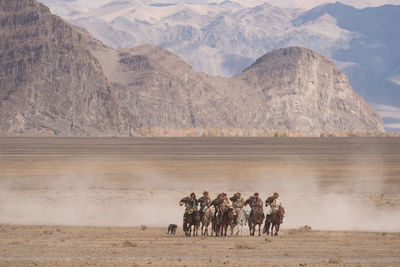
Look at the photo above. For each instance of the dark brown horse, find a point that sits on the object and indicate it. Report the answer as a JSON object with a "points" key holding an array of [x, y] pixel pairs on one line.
{"points": [[277, 219], [216, 224], [185, 201], [256, 218], [193, 220], [227, 220]]}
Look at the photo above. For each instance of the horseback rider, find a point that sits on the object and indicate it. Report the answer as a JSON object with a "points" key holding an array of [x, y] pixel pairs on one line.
{"points": [[226, 204], [205, 201], [274, 202], [190, 206], [237, 203], [193, 203], [258, 203], [255, 203]]}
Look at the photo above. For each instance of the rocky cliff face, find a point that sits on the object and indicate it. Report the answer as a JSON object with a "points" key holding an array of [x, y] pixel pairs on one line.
{"points": [[56, 78], [49, 79], [304, 91]]}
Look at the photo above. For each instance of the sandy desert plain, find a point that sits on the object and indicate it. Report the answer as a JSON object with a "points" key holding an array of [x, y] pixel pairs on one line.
{"points": [[108, 201]]}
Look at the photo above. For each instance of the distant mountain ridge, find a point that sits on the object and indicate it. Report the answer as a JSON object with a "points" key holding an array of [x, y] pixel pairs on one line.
{"points": [[225, 37], [57, 79]]}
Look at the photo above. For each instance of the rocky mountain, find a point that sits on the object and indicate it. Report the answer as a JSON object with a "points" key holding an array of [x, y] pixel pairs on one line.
{"points": [[57, 79], [370, 58], [49, 81], [225, 37]]}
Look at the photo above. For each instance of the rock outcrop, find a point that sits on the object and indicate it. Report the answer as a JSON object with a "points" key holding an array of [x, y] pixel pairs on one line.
{"points": [[303, 91], [55, 78], [49, 79]]}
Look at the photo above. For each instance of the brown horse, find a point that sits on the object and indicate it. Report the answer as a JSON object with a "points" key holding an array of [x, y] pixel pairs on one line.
{"points": [[193, 220], [227, 220], [216, 224], [256, 218], [277, 219]]}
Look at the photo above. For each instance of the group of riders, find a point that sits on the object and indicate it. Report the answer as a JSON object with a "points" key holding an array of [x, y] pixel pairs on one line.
{"points": [[222, 203]]}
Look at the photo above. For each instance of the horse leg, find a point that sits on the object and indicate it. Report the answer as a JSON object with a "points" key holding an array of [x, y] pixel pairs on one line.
{"points": [[277, 229], [267, 226], [250, 228]]}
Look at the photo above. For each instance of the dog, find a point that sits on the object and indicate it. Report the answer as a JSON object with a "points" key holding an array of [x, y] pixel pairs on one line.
{"points": [[172, 229]]}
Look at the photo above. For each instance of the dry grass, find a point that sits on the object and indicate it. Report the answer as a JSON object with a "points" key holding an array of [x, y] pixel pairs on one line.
{"points": [[247, 132], [243, 245], [303, 229], [335, 260], [47, 232], [129, 244]]}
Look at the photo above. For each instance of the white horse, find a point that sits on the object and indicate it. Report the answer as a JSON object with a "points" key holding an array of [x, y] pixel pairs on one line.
{"points": [[206, 220], [242, 219]]}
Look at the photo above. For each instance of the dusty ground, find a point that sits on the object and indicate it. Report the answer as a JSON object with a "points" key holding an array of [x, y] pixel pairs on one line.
{"points": [[346, 189], [116, 246]]}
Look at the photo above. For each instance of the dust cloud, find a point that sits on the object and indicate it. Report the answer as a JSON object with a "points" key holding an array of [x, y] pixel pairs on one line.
{"points": [[146, 195]]}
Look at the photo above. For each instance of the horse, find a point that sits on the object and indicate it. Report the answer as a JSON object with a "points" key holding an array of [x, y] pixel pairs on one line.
{"points": [[256, 218], [185, 201], [227, 220], [206, 220], [216, 224], [193, 220], [277, 219], [241, 219]]}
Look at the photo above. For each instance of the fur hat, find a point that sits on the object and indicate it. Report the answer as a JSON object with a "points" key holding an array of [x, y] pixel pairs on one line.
{"points": [[256, 194], [276, 194], [205, 192], [193, 194]]}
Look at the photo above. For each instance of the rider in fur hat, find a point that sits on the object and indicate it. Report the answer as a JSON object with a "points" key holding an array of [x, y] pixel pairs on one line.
{"points": [[274, 202], [237, 203], [226, 204], [204, 201], [191, 204]]}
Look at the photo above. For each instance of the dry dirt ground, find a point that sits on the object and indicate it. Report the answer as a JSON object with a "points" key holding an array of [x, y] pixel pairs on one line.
{"points": [[82, 201], [117, 246]]}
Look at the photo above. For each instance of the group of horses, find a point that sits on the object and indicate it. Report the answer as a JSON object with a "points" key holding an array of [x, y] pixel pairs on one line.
{"points": [[220, 221]]}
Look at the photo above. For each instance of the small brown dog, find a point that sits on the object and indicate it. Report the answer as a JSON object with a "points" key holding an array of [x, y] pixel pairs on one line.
{"points": [[172, 229]]}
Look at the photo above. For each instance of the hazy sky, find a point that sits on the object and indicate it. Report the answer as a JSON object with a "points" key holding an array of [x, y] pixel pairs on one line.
{"points": [[305, 4]]}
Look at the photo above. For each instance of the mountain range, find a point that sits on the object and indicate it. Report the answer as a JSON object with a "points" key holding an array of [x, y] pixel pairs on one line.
{"points": [[225, 37], [57, 79]]}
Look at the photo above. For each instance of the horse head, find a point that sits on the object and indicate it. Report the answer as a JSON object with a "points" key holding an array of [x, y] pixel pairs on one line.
{"points": [[229, 212], [281, 210]]}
